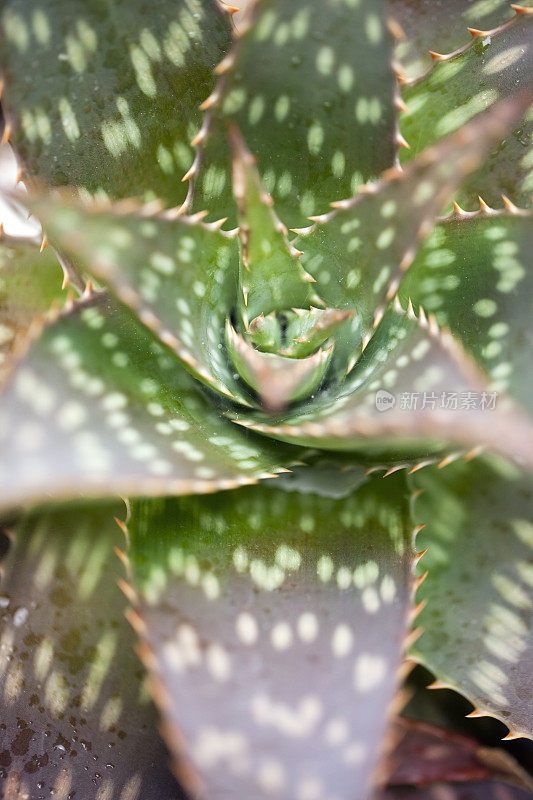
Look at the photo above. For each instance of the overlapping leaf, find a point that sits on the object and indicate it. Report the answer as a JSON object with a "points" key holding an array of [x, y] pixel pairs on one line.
{"points": [[474, 790], [440, 27], [29, 282], [413, 393], [358, 253], [177, 274], [426, 754], [76, 720], [459, 87], [311, 87], [271, 277], [474, 273], [273, 624], [99, 406], [477, 621], [105, 95]]}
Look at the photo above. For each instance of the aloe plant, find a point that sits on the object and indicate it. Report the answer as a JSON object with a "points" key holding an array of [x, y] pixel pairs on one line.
{"points": [[264, 364]]}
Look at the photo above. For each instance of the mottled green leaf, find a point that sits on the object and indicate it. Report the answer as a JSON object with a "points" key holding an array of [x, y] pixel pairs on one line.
{"points": [[99, 406], [105, 95], [177, 274], [440, 26], [29, 283], [307, 330], [311, 87], [76, 718], [474, 274], [358, 253], [271, 276], [477, 621], [273, 624], [278, 380], [458, 88], [413, 393]]}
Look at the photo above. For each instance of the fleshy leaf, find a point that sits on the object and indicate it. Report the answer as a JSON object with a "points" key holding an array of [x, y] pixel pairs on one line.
{"points": [[478, 641], [99, 406], [266, 333], [176, 273], [76, 719], [278, 380], [118, 89], [457, 88], [413, 393], [434, 763], [271, 276], [427, 26], [358, 253], [274, 637], [474, 273], [311, 87], [426, 754], [29, 283], [471, 790], [307, 330]]}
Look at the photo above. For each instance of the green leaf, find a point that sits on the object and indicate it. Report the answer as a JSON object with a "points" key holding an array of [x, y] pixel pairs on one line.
{"points": [[110, 89], [274, 636], [477, 634], [271, 276], [29, 283], [76, 717], [440, 27], [458, 88], [307, 330], [99, 406], [474, 274], [359, 252], [311, 87], [278, 380], [303, 331], [176, 273], [414, 393]]}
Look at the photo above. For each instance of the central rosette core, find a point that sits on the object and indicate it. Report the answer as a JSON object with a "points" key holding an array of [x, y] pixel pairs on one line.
{"points": [[282, 344], [284, 356]]}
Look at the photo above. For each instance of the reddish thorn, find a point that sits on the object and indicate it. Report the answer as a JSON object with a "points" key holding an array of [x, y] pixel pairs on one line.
{"points": [[437, 685], [129, 593], [198, 138], [401, 105], [509, 204], [421, 579], [189, 173], [121, 525], [484, 207]]}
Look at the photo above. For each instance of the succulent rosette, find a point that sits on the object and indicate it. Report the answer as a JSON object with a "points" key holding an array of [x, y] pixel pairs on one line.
{"points": [[278, 339]]}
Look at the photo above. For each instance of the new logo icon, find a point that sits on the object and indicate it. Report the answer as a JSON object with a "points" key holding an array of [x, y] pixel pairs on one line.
{"points": [[384, 400]]}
